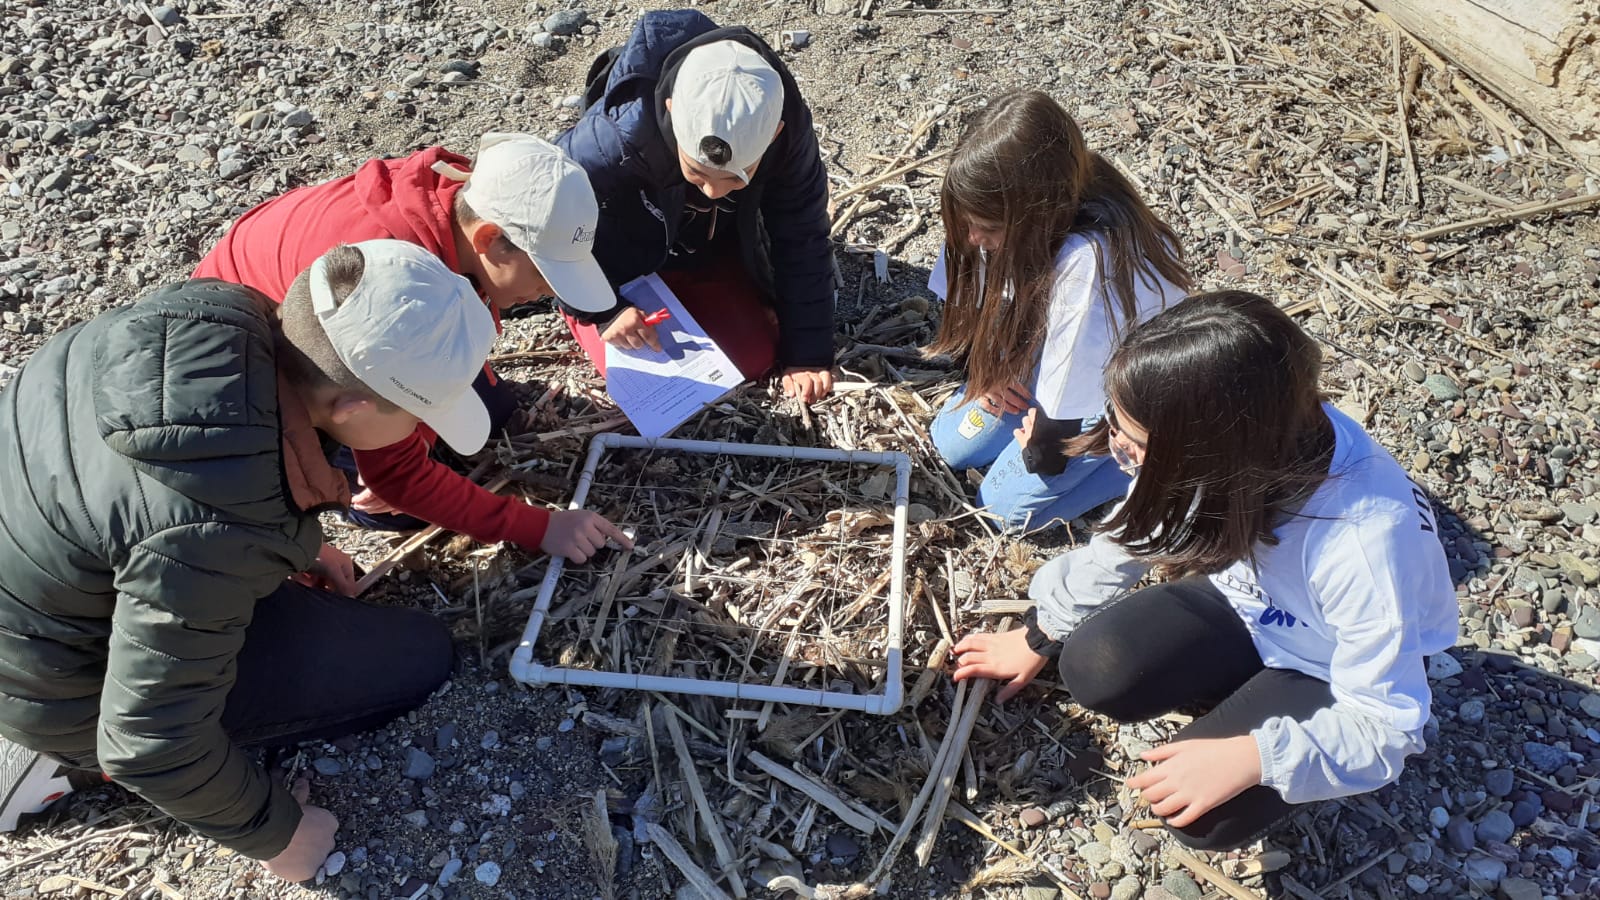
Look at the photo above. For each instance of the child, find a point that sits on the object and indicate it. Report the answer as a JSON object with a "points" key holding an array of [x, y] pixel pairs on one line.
{"points": [[1304, 584], [700, 149], [519, 226], [1049, 255], [164, 472]]}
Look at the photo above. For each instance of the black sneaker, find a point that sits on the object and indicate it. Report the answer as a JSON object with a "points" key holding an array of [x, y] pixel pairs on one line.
{"points": [[29, 783]]}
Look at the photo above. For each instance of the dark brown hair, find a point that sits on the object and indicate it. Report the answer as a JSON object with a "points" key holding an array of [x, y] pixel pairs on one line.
{"points": [[1226, 385], [305, 355], [1023, 163]]}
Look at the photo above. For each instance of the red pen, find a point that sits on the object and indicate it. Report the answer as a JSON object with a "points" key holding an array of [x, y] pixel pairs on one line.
{"points": [[657, 317]]}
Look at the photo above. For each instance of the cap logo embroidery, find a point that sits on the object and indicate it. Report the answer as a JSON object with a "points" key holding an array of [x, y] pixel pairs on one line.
{"points": [[408, 391], [583, 235]]}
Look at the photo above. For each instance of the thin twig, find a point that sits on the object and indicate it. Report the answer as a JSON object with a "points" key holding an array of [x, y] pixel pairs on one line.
{"points": [[1510, 215], [697, 791], [1212, 874], [68, 845]]}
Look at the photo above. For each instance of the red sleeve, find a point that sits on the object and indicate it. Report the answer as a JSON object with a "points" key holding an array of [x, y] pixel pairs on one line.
{"points": [[407, 478]]}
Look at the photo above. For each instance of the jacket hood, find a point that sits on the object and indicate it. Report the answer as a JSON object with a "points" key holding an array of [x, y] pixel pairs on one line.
{"points": [[186, 388], [411, 201]]}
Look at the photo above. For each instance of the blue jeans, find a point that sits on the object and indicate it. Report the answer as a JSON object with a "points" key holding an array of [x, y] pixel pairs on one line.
{"points": [[968, 437]]}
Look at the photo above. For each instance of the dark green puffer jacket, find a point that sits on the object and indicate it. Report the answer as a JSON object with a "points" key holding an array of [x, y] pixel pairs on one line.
{"points": [[145, 506]]}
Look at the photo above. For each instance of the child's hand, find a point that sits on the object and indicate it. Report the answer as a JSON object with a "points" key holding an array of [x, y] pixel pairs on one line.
{"points": [[1025, 433], [578, 534], [1012, 399], [1004, 657], [333, 571], [370, 503], [809, 385], [1193, 777], [311, 844], [630, 332]]}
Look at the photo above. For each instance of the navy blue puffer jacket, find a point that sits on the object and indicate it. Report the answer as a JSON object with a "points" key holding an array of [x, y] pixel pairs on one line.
{"points": [[624, 141]]}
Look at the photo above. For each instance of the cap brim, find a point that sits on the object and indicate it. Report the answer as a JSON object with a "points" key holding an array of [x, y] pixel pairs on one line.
{"points": [[462, 423], [578, 282]]}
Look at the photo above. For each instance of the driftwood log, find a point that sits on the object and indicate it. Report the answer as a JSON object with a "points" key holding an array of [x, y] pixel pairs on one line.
{"points": [[1542, 57]]}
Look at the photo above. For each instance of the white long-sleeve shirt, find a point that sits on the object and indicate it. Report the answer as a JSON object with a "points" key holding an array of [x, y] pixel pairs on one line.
{"points": [[1356, 592], [1080, 332]]}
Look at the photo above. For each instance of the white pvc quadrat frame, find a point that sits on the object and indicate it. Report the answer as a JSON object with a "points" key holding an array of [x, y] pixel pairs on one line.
{"points": [[526, 669]]}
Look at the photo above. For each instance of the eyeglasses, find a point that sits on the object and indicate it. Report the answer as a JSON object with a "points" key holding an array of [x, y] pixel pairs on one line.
{"points": [[1118, 455]]}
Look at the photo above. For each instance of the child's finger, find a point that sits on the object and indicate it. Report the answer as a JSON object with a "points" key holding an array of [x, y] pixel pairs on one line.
{"points": [[301, 791], [1012, 689], [969, 643], [608, 530], [1164, 751], [648, 334]]}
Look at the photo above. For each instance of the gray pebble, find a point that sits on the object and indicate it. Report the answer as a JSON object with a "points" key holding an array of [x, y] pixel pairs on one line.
{"points": [[1443, 388], [58, 286], [327, 766], [1578, 513], [1460, 835], [1586, 624], [487, 873], [444, 737], [334, 864], [1417, 884], [232, 167], [1486, 871], [417, 817], [566, 22], [491, 740], [419, 765], [1180, 885], [1499, 782], [543, 39], [842, 847], [1589, 703], [1495, 827], [1524, 811], [1544, 758], [1470, 712], [166, 15], [1414, 371], [1439, 817], [449, 872], [297, 118]]}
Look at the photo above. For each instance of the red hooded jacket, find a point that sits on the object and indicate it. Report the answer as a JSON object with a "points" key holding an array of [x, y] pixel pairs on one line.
{"points": [[406, 200]]}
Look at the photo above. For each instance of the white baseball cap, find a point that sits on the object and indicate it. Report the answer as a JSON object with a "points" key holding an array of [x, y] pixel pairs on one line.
{"points": [[543, 202], [414, 332], [729, 91]]}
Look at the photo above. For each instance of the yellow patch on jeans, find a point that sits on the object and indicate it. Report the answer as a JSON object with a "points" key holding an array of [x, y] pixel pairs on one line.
{"points": [[971, 424]]}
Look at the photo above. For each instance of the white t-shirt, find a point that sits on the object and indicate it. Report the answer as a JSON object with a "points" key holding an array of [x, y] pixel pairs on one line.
{"points": [[1356, 592], [1079, 336]]}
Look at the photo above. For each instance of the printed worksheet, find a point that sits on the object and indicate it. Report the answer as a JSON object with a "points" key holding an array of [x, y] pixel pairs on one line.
{"points": [[658, 391]]}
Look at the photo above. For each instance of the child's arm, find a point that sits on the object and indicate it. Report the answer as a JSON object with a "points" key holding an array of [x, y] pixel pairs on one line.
{"points": [[404, 476], [176, 630], [1066, 588], [1381, 696], [794, 208]]}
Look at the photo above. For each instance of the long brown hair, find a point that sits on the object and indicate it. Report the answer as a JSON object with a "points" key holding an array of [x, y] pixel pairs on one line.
{"points": [[1226, 385], [1022, 162]]}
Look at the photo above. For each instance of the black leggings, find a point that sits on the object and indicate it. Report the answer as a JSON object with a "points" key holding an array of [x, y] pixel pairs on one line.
{"points": [[1181, 645], [317, 666]]}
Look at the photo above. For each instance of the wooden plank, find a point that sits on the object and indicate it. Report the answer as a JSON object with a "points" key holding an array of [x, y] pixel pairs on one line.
{"points": [[1538, 56]]}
